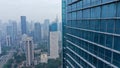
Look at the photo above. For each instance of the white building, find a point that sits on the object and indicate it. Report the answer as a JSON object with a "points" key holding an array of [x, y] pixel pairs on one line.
{"points": [[54, 48], [43, 58], [29, 51]]}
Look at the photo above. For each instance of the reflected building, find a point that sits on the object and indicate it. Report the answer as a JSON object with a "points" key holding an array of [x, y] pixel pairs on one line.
{"points": [[91, 33]]}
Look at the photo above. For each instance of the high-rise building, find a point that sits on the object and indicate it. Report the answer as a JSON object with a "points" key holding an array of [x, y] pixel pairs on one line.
{"points": [[29, 51], [9, 30], [91, 33], [46, 29], [8, 40], [14, 32], [23, 25], [37, 33], [45, 34], [54, 39], [54, 26], [0, 49]]}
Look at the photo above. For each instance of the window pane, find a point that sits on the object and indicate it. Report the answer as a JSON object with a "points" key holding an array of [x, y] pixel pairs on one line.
{"points": [[110, 26], [117, 26], [117, 43], [118, 9], [109, 40], [116, 59], [103, 25]]}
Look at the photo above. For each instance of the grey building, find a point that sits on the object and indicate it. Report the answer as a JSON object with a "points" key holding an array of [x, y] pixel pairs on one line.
{"points": [[23, 25], [37, 33], [29, 51]]}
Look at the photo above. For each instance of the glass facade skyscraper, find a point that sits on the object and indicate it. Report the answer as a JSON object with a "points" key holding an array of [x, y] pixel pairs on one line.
{"points": [[37, 33], [23, 25], [91, 33]]}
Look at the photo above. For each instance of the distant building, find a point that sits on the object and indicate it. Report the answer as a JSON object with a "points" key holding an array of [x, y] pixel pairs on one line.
{"points": [[13, 32], [23, 25], [29, 51], [54, 26], [44, 58], [54, 49], [0, 48], [9, 31], [46, 29], [8, 40], [54, 38], [45, 38], [23, 43], [37, 33]]}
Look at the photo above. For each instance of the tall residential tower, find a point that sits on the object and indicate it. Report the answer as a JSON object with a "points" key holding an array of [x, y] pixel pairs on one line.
{"points": [[29, 51]]}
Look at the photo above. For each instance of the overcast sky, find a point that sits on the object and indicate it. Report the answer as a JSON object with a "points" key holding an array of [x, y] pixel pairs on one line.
{"points": [[35, 10]]}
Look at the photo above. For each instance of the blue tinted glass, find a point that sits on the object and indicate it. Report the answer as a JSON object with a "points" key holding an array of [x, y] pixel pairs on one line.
{"points": [[102, 39], [107, 8], [95, 12], [116, 59], [117, 43], [118, 9], [117, 26], [110, 26], [103, 25], [109, 40]]}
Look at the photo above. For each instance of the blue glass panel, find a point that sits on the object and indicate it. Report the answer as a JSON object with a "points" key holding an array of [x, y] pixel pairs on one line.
{"points": [[117, 43], [103, 25], [110, 26], [116, 59], [109, 41], [118, 9], [117, 26], [111, 8]]}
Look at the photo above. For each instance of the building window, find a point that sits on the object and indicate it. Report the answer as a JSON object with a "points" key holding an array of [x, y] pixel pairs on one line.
{"points": [[110, 26], [117, 26], [117, 43], [112, 11], [116, 59], [103, 25], [118, 9], [109, 41]]}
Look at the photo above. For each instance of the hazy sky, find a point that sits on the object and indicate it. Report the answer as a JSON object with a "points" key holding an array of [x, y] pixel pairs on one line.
{"points": [[36, 10]]}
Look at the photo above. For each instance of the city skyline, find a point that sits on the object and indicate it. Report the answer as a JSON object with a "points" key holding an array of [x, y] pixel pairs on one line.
{"points": [[34, 10]]}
